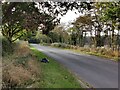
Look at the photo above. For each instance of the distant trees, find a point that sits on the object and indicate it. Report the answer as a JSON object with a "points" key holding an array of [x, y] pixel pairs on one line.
{"points": [[73, 35], [54, 36], [111, 17], [102, 24], [82, 25], [43, 38], [98, 26], [58, 34]]}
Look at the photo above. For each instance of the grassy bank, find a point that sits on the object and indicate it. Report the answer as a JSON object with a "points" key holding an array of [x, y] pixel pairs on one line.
{"points": [[22, 69], [54, 75]]}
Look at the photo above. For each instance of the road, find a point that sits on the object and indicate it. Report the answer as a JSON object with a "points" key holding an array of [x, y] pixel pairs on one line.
{"points": [[98, 72]]}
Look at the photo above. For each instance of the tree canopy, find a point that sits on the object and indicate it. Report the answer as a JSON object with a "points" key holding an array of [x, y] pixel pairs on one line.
{"points": [[19, 16]]}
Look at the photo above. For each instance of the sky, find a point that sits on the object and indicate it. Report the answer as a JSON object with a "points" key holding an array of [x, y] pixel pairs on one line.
{"points": [[69, 17]]}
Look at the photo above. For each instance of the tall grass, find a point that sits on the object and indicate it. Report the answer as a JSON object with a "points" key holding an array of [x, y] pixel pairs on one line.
{"points": [[20, 69]]}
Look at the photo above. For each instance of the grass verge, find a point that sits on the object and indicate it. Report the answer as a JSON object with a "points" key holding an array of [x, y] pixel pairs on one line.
{"points": [[53, 75], [96, 51], [22, 69]]}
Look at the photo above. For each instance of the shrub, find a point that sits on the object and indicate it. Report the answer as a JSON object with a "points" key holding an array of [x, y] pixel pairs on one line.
{"points": [[7, 48], [87, 49], [101, 51], [45, 44], [55, 44]]}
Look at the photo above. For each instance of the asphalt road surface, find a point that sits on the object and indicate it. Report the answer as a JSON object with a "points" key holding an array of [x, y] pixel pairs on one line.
{"points": [[98, 72]]}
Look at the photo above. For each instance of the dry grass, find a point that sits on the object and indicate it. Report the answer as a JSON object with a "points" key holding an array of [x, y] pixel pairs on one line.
{"points": [[22, 49], [33, 67], [101, 51], [14, 74]]}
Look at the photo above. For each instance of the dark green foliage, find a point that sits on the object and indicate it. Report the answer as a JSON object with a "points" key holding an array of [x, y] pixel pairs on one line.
{"points": [[7, 47], [74, 38], [48, 22]]}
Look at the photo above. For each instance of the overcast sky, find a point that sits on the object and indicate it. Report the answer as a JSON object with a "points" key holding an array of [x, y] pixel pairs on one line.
{"points": [[70, 16]]}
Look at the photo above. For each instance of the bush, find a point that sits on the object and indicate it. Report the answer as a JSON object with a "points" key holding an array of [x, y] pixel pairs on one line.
{"points": [[7, 48], [55, 44], [45, 44], [102, 51], [43, 38], [86, 49]]}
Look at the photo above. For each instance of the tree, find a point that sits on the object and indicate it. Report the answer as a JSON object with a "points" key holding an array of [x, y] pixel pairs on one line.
{"points": [[55, 9], [82, 25], [42, 38], [17, 19], [111, 16], [73, 33], [48, 22], [59, 30], [54, 36], [29, 15]]}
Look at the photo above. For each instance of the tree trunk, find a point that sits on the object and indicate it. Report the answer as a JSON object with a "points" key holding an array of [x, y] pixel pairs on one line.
{"points": [[112, 37]]}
